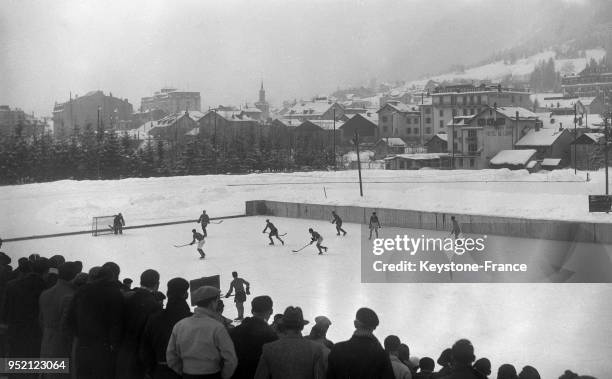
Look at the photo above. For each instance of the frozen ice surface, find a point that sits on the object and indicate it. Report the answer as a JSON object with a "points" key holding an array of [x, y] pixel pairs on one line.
{"points": [[550, 326]]}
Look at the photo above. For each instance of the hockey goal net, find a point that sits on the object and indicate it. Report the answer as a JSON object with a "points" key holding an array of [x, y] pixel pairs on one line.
{"points": [[102, 225]]}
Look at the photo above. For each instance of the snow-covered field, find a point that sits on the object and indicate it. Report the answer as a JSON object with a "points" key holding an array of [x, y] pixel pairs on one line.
{"points": [[69, 205], [550, 326]]}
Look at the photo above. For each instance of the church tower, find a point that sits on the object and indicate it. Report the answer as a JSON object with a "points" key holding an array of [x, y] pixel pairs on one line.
{"points": [[262, 104]]}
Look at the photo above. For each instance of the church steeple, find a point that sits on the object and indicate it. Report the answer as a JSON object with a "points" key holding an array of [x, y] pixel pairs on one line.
{"points": [[262, 94]]}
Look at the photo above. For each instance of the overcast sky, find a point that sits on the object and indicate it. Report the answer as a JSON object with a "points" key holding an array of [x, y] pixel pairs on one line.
{"points": [[224, 48]]}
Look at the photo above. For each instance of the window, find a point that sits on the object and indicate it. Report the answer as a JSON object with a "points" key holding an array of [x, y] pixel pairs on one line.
{"points": [[472, 162], [454, 134], [465, 111], [461, 163], [454, 112], [454, 146], [384, 118], [471, 133], [428, 120], [512, 99], [479, 98], [427, 130], [408, 121], [416, 130], [441, 112], [441, 124], [402, 164], [472, 148], [427, 110], [385, 129], [472, 111], [416, 121], [408, 130]]}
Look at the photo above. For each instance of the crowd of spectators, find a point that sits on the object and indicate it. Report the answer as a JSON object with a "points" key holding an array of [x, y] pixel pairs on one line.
{"points": [[109, 329]]}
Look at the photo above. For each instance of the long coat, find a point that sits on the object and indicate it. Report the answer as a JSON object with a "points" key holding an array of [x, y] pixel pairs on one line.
{"points": [[139, 305], [249, 338], [156, 335], [360, 357], [291, 357], [55, 343]]}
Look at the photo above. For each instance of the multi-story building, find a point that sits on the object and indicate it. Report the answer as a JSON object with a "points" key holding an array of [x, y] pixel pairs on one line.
{"points": [[400, 121], [478, 138], [17, 122], [469, 100], [171, 101], [587, 84], [93, 110]]}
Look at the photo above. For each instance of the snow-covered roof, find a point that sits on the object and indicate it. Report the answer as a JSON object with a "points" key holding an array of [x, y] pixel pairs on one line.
{"points": [[543, 137], [460, 120], [523, 113], [551, 162], [310, 108], [442, 136], [393, 141], [594, 136], [364, 156], [513, 157], [531, 164], [193, 132], [542, 97], [288, 121], [327, 124], [418, 157], [400, 107]]}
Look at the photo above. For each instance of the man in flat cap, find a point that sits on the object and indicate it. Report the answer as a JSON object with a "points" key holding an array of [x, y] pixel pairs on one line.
{"points": [[200, 346]]}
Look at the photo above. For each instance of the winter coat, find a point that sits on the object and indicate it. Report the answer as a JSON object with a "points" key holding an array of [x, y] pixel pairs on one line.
{"points": [[139, 304], [291, 357], [360, 357], [55, 342], [156, 335], [249, 338], [20, 313]]}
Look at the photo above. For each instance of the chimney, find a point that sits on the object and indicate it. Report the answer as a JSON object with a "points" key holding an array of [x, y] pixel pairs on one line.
{"points": [[560, 126]]}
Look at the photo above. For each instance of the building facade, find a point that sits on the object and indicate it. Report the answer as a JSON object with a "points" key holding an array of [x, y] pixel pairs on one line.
{"points": [[398, 120], [93, 110], [171, 100], [15, 122], [263, 105], [587, 84], [469, 100]]}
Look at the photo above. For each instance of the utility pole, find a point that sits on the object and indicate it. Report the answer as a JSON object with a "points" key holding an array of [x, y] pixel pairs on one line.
{"points": [[335, 139], [453, 145], [606, 137], [575, 137], [356, 141]]}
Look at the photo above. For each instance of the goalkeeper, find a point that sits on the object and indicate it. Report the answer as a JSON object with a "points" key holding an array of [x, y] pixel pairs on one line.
{"points": [[118, 224], [238, 284]]}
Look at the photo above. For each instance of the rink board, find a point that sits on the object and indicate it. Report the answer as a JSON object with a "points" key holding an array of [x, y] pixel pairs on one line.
{"points": [[475, 224]]}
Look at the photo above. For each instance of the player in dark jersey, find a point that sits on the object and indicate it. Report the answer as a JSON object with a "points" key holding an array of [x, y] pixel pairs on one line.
{"points": [[374, 225], [273, 232], [197, 237], [238, 285], [316, 237], [204, 220], [118, 224], [456, 228], [338, 221]]}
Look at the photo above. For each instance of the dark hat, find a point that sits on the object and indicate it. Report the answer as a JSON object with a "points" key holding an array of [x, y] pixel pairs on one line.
{"points": [[127, 281], [310, 229], [529, 372], [149, 278], [293, 318], [4, 259], [67, 271], [445, 357], [392, 343], [367, 317], [177, 287], [204, 293], [463, 351], [483, 366], [261, 304]]}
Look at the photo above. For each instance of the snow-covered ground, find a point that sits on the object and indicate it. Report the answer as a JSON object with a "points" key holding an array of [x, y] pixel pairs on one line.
{"points": [[550, 326], [497, 71], [69, 205]]}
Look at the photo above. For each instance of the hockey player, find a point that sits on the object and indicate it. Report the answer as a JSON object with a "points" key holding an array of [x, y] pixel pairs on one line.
{"points": [[456, 230], [239, 284], [316, 237], [204, 220], [118, 224], [338, 221], [200, 240], [273, 232], [374, 225]]}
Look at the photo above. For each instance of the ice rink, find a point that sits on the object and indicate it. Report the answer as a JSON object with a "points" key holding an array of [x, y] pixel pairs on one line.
{"points": [[550, 326]]}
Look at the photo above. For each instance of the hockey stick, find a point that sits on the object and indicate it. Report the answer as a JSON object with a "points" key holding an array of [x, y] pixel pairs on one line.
{"points": [[284, 234], [187, 244], [295, 251], [212, 222]]}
